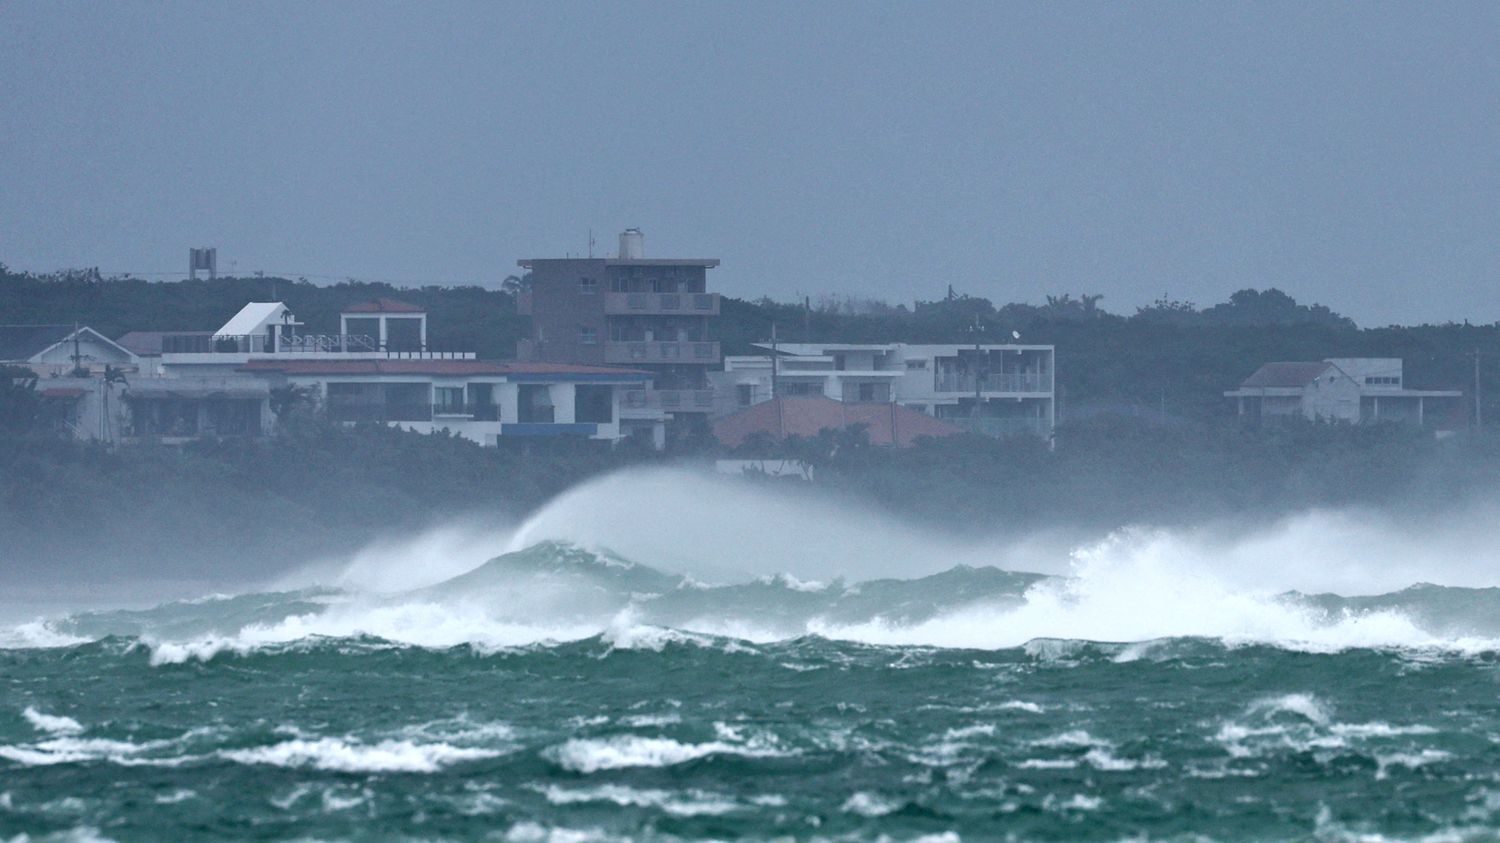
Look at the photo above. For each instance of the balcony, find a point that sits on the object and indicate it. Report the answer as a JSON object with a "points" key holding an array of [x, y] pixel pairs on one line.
{"points": [[661, 304], [1013, 382], [668, 400], [472, 412], [662, 353]]}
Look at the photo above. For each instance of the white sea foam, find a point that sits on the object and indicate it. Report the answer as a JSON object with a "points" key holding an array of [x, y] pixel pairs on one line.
{"points": [[1149, 586], [38, 634], [533, 832], [73, 750], [1144, 586], [590, 755], [869, 805], [688, 803], [347, 756], [53, 723]]}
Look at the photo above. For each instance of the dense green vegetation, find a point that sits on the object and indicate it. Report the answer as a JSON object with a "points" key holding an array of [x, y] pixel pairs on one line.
{"points": [[1171, 359]]}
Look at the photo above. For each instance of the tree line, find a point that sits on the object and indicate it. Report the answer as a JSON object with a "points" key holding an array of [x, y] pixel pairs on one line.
{"points": [[1171, 359]]}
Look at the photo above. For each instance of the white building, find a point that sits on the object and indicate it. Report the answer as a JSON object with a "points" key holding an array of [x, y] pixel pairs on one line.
{"points": [[480, 400], [994, 389], [70, 363], [222, 382], [1350, 389]]}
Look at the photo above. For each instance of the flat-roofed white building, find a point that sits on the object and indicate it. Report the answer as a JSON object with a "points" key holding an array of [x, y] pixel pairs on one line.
{"points": [[993, 389], [223, 382]]}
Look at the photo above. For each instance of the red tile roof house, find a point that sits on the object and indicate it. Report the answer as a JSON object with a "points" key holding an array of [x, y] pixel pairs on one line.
{"points": [[887, 424]]}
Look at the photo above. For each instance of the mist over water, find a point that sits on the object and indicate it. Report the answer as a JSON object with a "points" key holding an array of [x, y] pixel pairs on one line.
{"points": [[765, 561], [673, 655]]}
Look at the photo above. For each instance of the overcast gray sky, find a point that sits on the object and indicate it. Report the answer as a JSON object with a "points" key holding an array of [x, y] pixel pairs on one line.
{"points": [[1348, 153]]}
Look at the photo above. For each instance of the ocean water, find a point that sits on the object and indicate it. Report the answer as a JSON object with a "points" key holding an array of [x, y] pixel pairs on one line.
{"points": [[556, 693]]}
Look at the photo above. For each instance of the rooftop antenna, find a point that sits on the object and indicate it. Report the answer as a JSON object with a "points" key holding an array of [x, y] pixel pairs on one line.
{"points": [[591, 244]]}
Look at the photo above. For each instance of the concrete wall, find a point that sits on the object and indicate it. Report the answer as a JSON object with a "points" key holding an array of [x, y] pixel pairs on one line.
{"points": [[559, 309]]}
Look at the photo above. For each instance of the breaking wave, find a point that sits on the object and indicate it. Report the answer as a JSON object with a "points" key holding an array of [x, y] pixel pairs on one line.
{"points": [[701, 567], [1123, 590]]}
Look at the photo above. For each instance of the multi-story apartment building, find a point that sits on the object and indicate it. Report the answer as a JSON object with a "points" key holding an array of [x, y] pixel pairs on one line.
{"points": [[994, 389], [651, 314]]}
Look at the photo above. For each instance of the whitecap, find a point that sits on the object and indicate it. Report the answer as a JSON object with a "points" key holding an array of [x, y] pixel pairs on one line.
{"points": [[868, 805], [686, 803], [54, 723], [389, 756], [590, 755]]}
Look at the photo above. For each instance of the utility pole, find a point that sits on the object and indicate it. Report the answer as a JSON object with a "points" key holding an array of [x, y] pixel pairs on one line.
{"points": [[978, 372], [1478, 405]]}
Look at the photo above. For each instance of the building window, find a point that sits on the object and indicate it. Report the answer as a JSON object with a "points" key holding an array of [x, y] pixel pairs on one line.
{"points": [[594, 404], [1382, 381], [744, 393], [867, 392], [588, 286], [916, 364], [448, 398], [588, 336]]}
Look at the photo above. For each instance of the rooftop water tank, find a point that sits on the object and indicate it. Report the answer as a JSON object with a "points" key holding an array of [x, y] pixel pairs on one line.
{"points": [[632, 244]]}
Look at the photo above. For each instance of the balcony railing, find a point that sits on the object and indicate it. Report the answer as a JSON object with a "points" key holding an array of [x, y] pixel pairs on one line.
{"points": [[476, 412], [679, 400], [1011, 382], [302, 344], [1001, 427], [376, 411], [691, 304], [692, 353], [329, 342]]}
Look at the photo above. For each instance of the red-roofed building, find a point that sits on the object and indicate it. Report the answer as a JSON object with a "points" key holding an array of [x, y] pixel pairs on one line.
{"points": [[779, 418]]}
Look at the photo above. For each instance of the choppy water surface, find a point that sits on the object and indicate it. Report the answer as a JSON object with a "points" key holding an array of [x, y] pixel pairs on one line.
{"points": [[557, 694]]}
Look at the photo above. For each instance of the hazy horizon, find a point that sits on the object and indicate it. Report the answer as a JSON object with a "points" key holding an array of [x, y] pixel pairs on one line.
{"points": [[1346, 155]]}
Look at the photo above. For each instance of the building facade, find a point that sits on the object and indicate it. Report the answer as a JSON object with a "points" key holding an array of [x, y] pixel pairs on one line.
{"points": [[654, 315], [998, 390], [224, 382], [1357, 390]]}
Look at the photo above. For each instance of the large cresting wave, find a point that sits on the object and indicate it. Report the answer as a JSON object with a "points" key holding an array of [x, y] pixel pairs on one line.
{"points": [[725, 561]]}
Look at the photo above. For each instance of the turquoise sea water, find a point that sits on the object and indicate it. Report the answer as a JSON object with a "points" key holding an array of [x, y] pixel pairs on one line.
{"points": [[561, 695]]}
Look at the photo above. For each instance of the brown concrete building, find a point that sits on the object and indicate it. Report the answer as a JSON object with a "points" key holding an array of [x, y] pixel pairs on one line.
{"points": [[654, 314]]}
